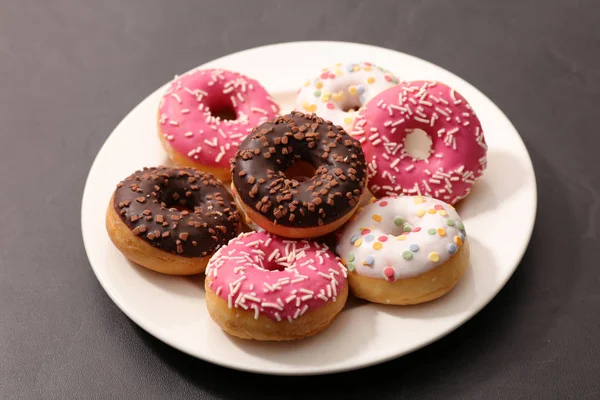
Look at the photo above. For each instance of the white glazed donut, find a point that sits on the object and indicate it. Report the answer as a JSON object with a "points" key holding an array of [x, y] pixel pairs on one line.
{"points": [[404, 250], [339, 92]]}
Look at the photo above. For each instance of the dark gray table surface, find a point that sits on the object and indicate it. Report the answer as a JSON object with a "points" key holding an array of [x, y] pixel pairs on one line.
{"points": [[70, 70]]}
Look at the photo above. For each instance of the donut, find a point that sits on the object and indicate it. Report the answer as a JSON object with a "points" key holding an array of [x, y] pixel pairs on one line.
{"points": [[457, 157], [171, 220], [298, 176], [340, 91], [404, 250], [263, 287], [205, 114]]}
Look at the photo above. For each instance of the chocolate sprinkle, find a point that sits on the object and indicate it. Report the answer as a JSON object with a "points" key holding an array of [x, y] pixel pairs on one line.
{"points": [[338, 160], [210, 221]]}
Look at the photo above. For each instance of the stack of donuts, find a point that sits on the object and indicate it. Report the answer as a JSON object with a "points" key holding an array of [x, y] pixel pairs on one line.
{"points": [[351, 192]]}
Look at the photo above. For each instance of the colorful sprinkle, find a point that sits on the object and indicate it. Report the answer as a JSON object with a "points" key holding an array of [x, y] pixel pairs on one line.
{"points": [[460, 226], [441, 232], [353, 239], [452, 248], [365, 232], [371, 79], [317, 93], [351, 266], [319, 85], [419, 200], [407, 254], [369, 238], [352, 90], [369, 260], [360, 89], [462, 236], [407, 228], [443, 213], [351, 257], [433, 256], [331, 106], [377, 246], [401, 237], [348, 120], [376, 217], [421, 212], [358, 243], [417, 229], [383, 238], [389, 273], [398, 221], [383, 203], [438, 207], [458, 240], [449, 222], [413, 247], [431, 211], [431, 231]]}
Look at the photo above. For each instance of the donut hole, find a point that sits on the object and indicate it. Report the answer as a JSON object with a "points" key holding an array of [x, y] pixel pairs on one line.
{"points": [[176, 200], [225, 112], [273, 266], [300, 171], [418, 144], [351, 103]]}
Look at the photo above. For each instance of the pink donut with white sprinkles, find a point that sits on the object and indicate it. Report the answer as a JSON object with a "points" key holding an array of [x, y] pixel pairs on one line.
{"points": [[205, 114], [457, 157], [261, 275]]}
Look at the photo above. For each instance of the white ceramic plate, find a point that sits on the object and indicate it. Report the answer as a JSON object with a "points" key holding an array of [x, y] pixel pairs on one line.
{"points": [[499, 215]]}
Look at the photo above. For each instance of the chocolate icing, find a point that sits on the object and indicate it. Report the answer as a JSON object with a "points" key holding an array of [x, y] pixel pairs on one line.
{"points": [[179, 210], [259, 165]]}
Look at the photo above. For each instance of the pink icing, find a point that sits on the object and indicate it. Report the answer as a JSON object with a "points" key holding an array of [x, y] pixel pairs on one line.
{"points": [[187, 120], [458, 150], [282, 279]]}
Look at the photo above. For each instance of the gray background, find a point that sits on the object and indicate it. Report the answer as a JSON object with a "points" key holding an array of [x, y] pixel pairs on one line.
{"points": [[70, 70]]}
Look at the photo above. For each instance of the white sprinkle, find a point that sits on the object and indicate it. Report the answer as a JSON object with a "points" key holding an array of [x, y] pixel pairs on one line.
{"points": [[304, 309], [444, 113], [218, 292], [410, 167], [278, 317], [185, 110], [174, 123], [376, 142], [176, 97], [290, 298], [452, 131], [188, 134], [256, 312], [423, 120], [258, 110], [272, 305], [213, 143]]}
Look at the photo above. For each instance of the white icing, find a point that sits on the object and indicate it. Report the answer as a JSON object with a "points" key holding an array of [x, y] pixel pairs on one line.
{"points": [[391, 252], [340, 91]]}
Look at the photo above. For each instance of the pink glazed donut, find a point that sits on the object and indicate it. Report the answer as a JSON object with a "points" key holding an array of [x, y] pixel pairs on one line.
{"points": [[458, 150], [264, 287], [206, 113]]}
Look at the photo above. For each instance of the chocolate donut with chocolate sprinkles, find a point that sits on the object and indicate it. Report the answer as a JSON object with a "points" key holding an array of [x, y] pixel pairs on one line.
{"points": [[299, 176], [171, 220]]}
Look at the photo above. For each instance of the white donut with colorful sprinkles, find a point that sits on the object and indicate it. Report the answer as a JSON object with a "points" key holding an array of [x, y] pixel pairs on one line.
{"points": [[404, 250], [340, 91]]}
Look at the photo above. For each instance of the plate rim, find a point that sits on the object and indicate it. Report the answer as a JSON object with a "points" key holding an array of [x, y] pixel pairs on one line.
{"points": [[305, 371]]}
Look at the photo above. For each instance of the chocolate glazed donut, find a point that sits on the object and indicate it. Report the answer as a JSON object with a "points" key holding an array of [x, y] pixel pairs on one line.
{"points": [[299, 176], [174, 219]]}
